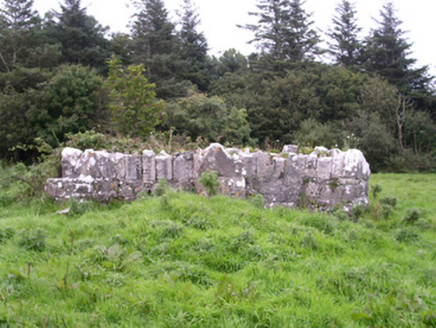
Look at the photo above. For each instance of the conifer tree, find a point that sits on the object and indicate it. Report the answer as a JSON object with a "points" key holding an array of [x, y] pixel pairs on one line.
{"points": [[193, 48], [157, 46], [388, 53], [303, 39], [346, 46], [19, 27], [284, 32], [81, 37]]}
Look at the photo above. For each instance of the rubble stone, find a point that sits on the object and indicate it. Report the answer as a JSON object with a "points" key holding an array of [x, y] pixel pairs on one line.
{"points": [[322, 179]]}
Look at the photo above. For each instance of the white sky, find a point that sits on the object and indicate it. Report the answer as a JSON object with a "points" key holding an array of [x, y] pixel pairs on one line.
{"points": [[220, 17]]}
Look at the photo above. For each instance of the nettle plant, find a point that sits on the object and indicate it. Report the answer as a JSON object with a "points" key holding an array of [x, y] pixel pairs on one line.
{"points": [[210, 182]]}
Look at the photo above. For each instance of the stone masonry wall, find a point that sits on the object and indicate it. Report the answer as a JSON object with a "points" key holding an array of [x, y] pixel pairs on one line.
{"points": [[322, 179]]}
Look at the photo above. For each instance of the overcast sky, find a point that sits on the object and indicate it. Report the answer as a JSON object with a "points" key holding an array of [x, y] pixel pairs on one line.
{"points": [[220, 17]]}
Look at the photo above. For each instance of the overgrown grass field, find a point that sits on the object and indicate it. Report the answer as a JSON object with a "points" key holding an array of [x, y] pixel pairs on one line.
{"points": [[182, 260]]}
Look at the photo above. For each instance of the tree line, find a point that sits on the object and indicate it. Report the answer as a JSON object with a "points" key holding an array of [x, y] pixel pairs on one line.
{"points": [[64, 73]]}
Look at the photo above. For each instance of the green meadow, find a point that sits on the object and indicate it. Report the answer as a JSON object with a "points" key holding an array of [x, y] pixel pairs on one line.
{"points": [[183, 260]]}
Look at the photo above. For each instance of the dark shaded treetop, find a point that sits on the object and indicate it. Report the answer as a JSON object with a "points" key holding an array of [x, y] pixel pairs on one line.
{"points": [[157, 46], [81, 37], [346, 46], [388, 54], [19, 26], [283, 32], [195, 65]]}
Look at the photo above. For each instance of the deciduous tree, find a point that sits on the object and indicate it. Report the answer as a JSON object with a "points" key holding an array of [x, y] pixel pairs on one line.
{"points": [[135, 111]]}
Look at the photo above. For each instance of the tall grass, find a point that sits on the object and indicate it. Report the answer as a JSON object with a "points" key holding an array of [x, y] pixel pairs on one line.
{"points": [[182, 260]]}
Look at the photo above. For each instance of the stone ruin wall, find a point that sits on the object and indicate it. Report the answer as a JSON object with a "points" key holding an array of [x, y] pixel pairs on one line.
{"points": [[321, 179]]}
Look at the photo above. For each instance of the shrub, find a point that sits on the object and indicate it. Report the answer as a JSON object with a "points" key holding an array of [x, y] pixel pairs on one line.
{"points": [[208, 117], [340, 213], [405, 236], [412, 216], [210, 182], [33, 177], [386, 211], [358, 211], [135, 109], [389, 200], [313, 132], [6, 200], [257, 200], [157, 142], [161, 188], [376, 190], [410, 161], [78, 208]]}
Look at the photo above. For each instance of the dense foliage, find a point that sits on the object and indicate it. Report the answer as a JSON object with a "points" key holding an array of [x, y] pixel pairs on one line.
{"points": [[134, 109], [57, 78]]}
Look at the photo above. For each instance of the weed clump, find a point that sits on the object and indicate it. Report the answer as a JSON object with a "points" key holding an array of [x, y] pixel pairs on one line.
{"points": [[389, 200], [5, 234], [412, 216], [78, 208], [257, 201], [358, 211], [6, 200], [386, 211], [161, 188], [33, 241], [406, 236], [210, 182], [376, 190]]}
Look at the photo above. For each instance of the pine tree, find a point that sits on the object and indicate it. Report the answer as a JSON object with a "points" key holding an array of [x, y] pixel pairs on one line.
{"points": [[284, 32], [157, 46], [268, 32], [303, 40], [388, 53], [194, 49], [346, 46], [81, 37], [19, 27]]}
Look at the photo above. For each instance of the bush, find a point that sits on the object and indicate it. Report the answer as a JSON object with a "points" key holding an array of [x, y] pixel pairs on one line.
{"points": [[161, 188], [358, 211], [339, 213], [315, 133], [135, 109], [405, 236], [389, 200], [386, 211], [375, 190], [210, 182], [257, 200], [208, 117], [157, 142], [409, 161], [33, 177], [78, 208], [412, 216]]}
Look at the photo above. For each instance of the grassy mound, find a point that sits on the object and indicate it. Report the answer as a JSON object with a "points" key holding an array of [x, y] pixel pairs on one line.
{"points": [[181, 260]]}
